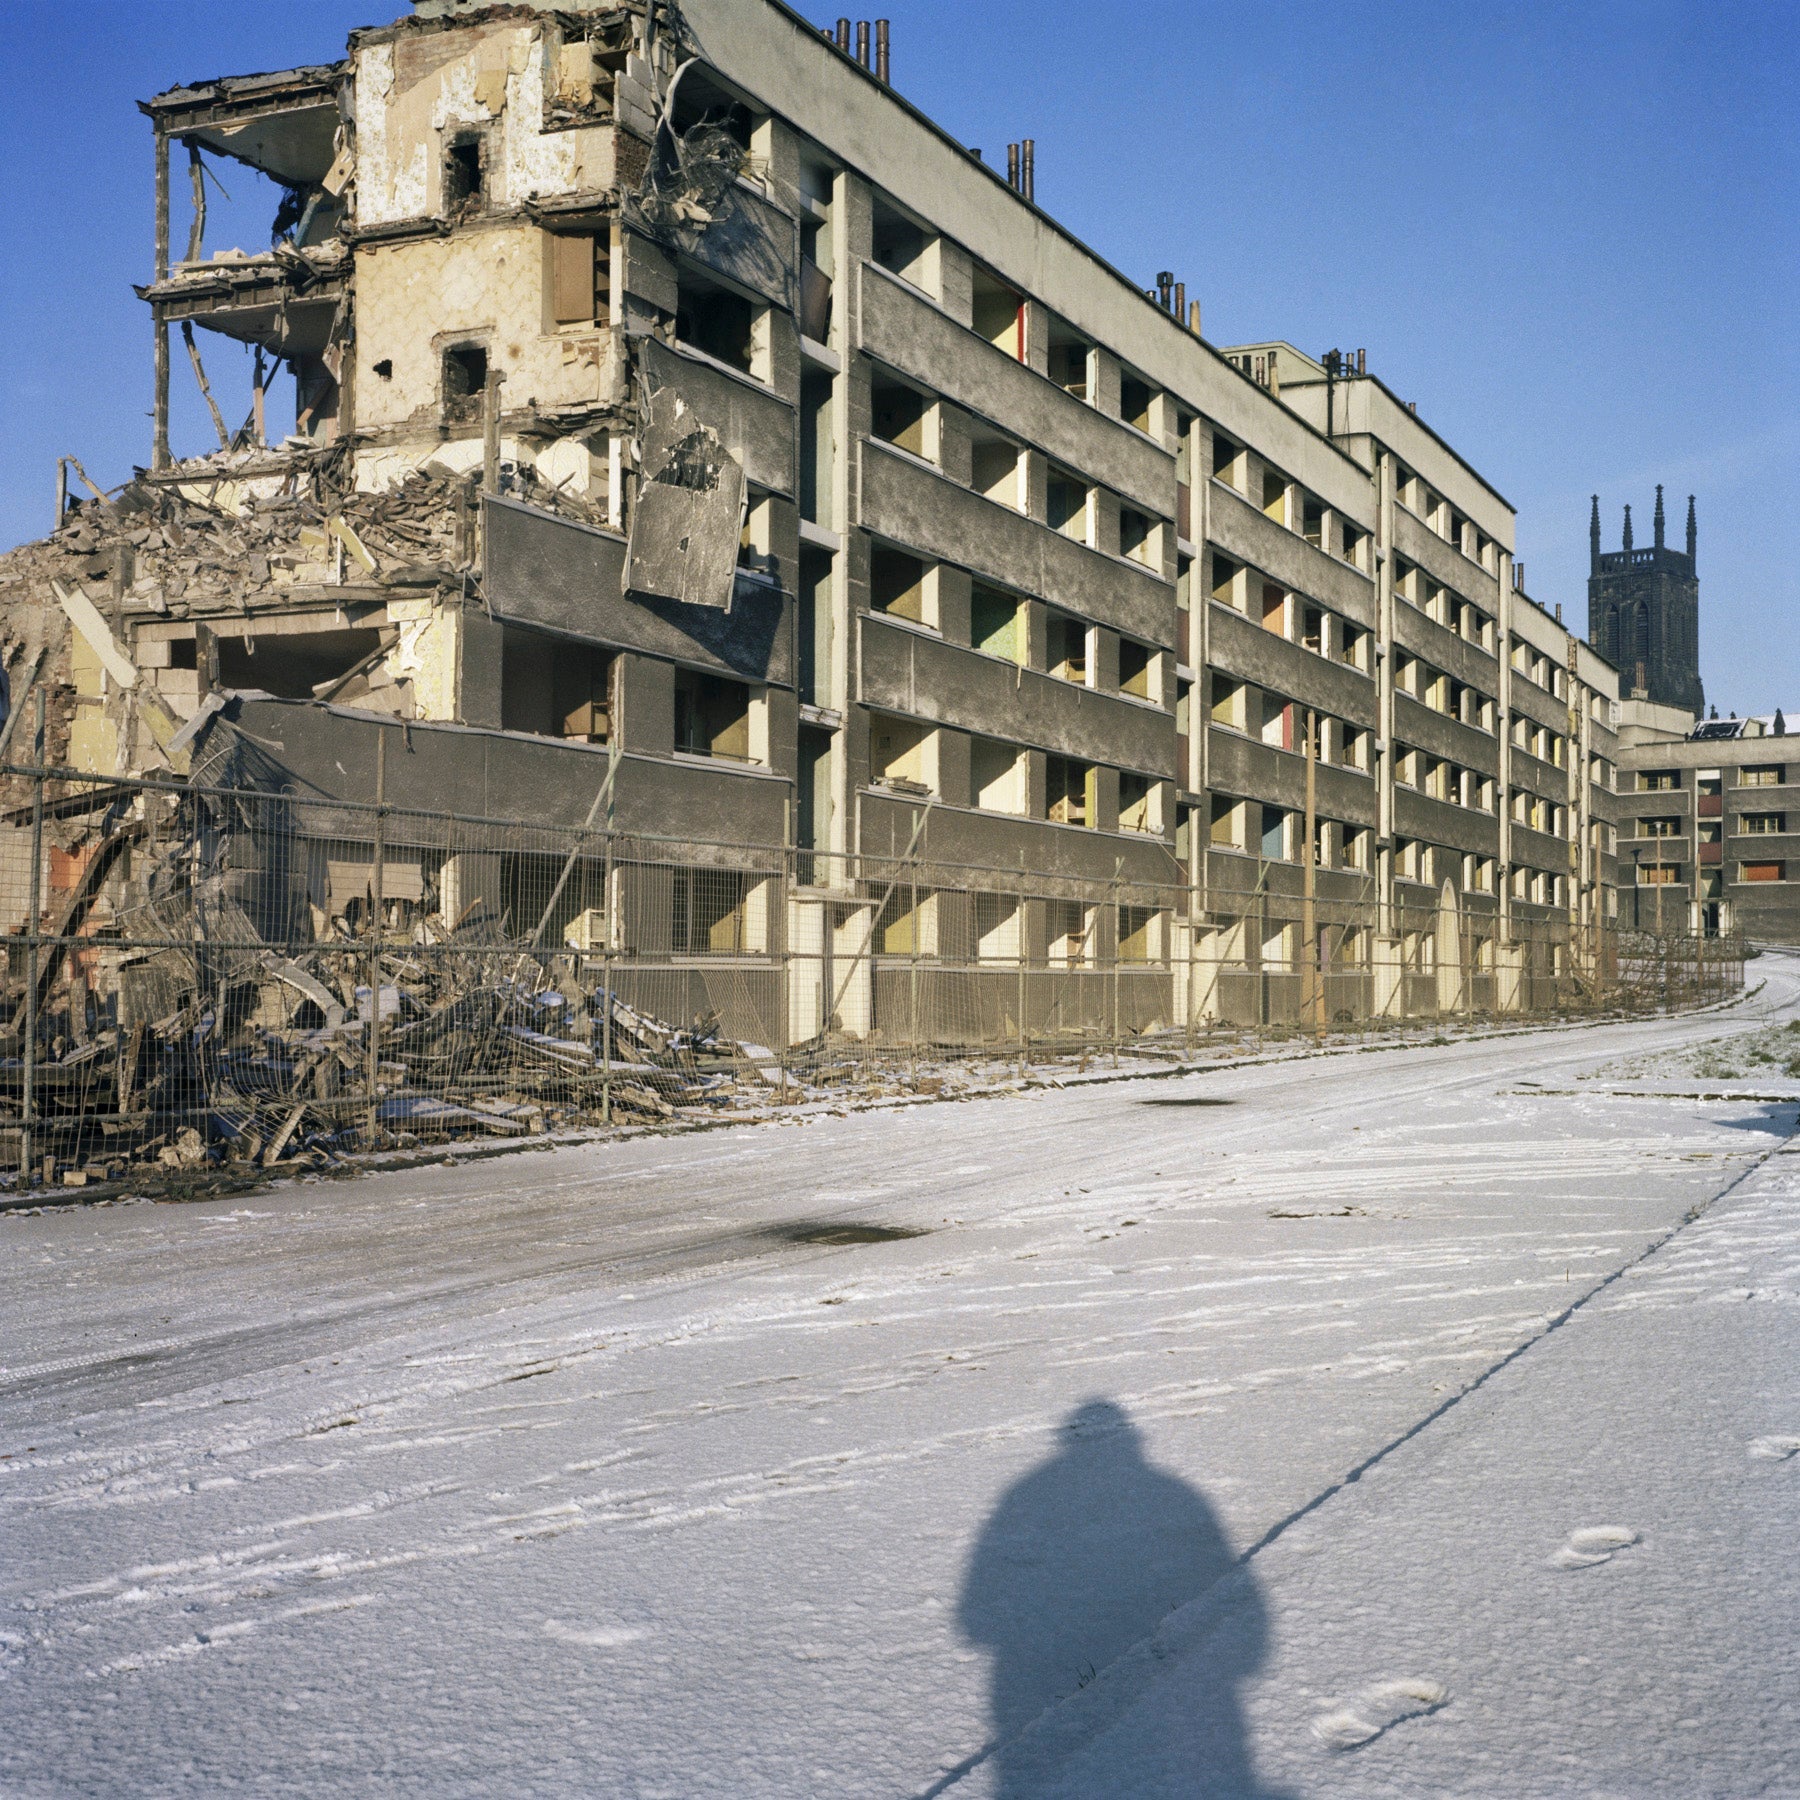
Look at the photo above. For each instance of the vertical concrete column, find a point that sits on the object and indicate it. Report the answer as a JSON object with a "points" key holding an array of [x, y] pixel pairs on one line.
{"points": [[850, 244], [1384, 956], [1452, 989], [467, 877], [1503, 725], [159, 445], [1384, 698], [1200, 453], [1509, 977], [809, 967]]}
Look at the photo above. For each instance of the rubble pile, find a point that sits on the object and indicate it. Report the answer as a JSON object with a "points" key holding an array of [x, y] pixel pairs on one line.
{"points": [[224, 533], [229, 1052]]}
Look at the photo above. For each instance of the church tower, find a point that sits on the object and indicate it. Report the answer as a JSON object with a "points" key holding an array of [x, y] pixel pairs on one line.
{"points": [[1644, 612]]}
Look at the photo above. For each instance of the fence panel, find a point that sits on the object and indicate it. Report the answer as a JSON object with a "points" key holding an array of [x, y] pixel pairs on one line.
{"points": [[203, 972]]}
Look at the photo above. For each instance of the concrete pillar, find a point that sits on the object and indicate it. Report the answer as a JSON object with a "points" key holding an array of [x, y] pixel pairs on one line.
{"points": [[467, 877], [1385, 955], [1452, 989], [1509, 977], [851, 990]]}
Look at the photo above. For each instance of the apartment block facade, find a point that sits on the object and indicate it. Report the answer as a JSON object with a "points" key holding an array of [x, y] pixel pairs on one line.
{"points": [[983, 555], [1709, 824]]}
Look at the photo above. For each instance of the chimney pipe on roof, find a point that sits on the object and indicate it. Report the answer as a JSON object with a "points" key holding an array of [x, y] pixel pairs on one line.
{"points": [[1165, 280], [1362, 362], [1028, 169], [1181, 300], [1194, 317], [862, 42], [881, 51], [843, 36], [1012, 165]]}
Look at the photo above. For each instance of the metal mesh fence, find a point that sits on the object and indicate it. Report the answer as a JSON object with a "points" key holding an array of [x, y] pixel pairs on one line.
{"points": [[207, 971]]}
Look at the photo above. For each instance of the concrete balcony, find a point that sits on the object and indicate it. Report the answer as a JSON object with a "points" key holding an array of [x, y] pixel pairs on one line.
{"points": [[913, 504], [1243, 532], [1250, 653], [1418, 543], [1418, 815], [904, 330], [1421, 636], [1241, 765], [329, 752], [555, 575], [753, 422], [1532, 702], [987, 840], [911, 671], [1426, 729], [1539, 850]]}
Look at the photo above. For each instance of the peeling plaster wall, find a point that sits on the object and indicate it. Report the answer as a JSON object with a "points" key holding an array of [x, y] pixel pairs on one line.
{"points": [[411, 87], [427, 654], [414, 298]]}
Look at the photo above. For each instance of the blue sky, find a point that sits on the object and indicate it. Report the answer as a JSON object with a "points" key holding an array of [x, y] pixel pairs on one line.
{"points": [[1568, 233]]}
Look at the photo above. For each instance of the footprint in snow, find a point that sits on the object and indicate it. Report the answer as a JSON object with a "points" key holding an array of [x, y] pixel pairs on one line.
{"points": [[593, 1637], [1774, 1449], [1593, 1545], [1352, 1723]]}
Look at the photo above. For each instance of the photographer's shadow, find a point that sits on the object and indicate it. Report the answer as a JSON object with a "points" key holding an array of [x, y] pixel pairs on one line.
{"points": [[1083, 1558]]}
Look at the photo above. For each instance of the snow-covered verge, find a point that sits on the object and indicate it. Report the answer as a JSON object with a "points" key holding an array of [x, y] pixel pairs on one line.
{"points": [[1178, 1451]]}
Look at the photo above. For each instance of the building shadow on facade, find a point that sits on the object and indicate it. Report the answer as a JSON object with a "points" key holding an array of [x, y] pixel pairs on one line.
{"points": [[1083, 1558]]}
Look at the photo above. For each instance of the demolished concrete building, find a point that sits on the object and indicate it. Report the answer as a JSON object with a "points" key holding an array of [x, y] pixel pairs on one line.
{"points": [[684, 419]]}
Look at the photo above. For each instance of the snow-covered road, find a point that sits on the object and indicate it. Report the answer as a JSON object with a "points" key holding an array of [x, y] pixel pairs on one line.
{"points": [[596, 1472]]}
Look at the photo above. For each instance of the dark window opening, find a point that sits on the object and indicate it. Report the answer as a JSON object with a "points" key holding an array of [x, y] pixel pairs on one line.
{"points": [[1134, 535], [464, 171], [817, 447], [813, 625], [295, 667], [815, 280], [1134, 402], [717, 322], [1069, 360], [465, 379], [812, 823], [554, 688], [1065, 502], [184, 653], [896, 582], [897, 243], [1066, 790], [1134, 668], [998, 313], [707, 911], [1065, 647], [1135, 793], [712, 716], [996, 623], [898, 416]]}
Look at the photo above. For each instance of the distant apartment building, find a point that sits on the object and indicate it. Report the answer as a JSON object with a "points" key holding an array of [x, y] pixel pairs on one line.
{"points": [[1709, 824], [835, 497]]}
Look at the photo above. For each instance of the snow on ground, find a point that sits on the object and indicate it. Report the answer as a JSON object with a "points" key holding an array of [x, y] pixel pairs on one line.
{"points": [[1362, 1424]]}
